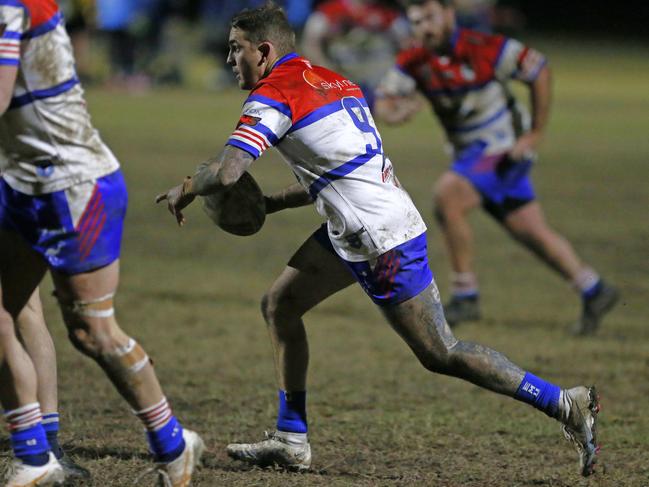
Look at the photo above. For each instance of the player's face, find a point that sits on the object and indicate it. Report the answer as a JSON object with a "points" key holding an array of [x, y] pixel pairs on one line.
{"points": [[247, 61], [432, 23]]}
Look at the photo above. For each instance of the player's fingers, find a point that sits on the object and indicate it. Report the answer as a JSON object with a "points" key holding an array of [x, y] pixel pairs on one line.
{"points": [[161, 197], [180, 218]]}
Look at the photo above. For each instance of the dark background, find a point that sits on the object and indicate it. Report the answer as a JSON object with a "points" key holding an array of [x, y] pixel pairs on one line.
{"points": [[606, 18]]}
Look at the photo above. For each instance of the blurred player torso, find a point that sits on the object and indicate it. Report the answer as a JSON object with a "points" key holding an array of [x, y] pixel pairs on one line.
{"points": [[46, 138], [320, 123], [468, 88]]}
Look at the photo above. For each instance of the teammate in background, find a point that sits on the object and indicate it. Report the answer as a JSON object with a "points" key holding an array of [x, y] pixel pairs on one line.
{"points": [[62, 205], [320, 123], [359, 38], [464, 75]]}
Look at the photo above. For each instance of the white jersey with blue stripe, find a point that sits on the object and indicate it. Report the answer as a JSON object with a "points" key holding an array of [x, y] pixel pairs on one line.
{"points": [[320, 123], [47, 141]]}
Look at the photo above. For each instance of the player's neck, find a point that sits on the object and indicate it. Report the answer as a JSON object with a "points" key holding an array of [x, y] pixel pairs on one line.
{"points": [[271, 64]]}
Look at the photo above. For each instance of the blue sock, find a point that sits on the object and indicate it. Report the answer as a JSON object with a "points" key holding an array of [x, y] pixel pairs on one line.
{"points": [[592, 290], [167, 443], [540, 394], [30, 445], [292, 412], [51, 427]]}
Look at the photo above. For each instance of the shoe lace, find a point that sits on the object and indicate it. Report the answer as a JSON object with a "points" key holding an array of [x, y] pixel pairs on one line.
{"points": [[163, 477]]}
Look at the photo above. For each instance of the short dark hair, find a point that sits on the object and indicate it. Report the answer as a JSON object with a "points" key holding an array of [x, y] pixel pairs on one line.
{"points": [[413, 3], [266, 23]]}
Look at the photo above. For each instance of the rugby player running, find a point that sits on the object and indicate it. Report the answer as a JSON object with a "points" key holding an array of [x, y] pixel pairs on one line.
{"points": [[320, 123], [465, 76]]}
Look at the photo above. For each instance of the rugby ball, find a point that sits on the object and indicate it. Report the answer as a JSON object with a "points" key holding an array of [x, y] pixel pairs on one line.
{"points": [[241, 210]]}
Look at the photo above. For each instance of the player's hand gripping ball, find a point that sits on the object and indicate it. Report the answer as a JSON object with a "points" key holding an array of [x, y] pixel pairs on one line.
{"points": [[241, 210]]}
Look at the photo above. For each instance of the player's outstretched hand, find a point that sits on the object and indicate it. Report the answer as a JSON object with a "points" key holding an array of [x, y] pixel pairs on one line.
{"points": [[177, 199]]}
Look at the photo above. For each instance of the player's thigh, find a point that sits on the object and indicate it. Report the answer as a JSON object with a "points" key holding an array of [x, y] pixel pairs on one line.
{"points": [[21, 271], [420, 322], [87, 286], [453, 191], [313, 274]]}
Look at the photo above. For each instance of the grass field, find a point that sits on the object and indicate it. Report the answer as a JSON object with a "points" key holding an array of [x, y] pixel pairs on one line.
{"points": [[377, 418]]}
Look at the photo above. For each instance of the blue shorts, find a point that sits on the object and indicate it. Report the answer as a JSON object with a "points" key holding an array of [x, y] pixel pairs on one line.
{"points": [[76, 230], [395, 276], [503, 184]]}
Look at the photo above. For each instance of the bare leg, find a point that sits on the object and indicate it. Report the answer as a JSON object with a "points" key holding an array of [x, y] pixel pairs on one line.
{"points": [[454, 198], [20, 272], [38, 343], [528, 226], [420, 322], [97, 334], [312, 275]]}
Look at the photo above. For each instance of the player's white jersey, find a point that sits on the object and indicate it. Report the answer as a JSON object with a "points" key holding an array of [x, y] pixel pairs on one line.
{"points": [[320, 123], [47, 141]]}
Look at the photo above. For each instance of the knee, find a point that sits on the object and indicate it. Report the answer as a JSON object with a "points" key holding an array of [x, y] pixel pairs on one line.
{"points": [[530, 236], [278, 304], [447, 207], [91, 337], [436, 361], [91, 326], [281, 311]]}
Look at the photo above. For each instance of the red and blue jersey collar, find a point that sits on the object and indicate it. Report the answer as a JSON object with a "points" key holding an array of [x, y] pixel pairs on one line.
{"points": [[285, 58]]}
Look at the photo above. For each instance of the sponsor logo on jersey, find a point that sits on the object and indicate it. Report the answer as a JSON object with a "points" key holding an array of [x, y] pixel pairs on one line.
{"points": [[319, 83], [248, 120]]}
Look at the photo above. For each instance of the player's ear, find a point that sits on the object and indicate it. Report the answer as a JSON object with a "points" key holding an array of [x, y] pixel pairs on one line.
{"points": [[264, 48]]}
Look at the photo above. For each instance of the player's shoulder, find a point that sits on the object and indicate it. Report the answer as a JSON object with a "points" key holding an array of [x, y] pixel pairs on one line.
{"points": [[480, 43], [303, 87], [39, 11], [297, 77], [413, 56]]}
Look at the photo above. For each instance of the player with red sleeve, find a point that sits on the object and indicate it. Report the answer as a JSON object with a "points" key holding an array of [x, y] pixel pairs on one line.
{"points": [[465, 77], [320, 123]]}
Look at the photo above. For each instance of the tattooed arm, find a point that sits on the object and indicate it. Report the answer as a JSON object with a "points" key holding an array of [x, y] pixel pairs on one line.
{"points": [[293, 196], [215, 175]]}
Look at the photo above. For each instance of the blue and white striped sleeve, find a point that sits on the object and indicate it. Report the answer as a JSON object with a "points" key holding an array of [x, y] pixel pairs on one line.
{"points": [[13, 23], [263, 122]]}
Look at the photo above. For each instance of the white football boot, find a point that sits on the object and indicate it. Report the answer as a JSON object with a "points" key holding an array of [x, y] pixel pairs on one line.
{"points": [[178, 473], [578, 413], [286, 450], [23, 475]]}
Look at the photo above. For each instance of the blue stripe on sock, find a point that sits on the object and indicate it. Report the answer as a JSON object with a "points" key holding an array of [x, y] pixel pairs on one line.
{"points": [[167, 443], [292, 412], [51, 422], [536, 392], [592, 290]]}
